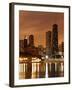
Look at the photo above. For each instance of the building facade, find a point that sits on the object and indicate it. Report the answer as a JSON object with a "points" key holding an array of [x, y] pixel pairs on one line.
{"points": [[55, 39], [31, 40], [48, 43]]}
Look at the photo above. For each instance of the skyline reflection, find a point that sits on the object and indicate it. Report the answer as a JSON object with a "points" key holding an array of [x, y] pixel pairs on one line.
{"points": [[41, 69]]}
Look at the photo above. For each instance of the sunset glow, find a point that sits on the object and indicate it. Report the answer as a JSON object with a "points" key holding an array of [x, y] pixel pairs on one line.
{"points": [[38, 23]]}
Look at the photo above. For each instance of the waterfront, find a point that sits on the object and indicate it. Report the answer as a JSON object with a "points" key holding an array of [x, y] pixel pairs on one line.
{"points": [[41, 45], [30, 68]]}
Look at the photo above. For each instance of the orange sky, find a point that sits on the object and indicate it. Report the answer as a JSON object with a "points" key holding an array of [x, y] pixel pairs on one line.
{"points": [[38, 23]]}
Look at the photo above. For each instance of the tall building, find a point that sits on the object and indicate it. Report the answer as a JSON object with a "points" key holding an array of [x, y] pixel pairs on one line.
{"points": [[55, 39], [31, 40], [25, 43], [21, 45], [61, 48], [48, 43]]}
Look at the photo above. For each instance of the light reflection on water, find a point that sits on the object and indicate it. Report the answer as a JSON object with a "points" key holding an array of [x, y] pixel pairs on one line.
{"points": [[43, 69]]}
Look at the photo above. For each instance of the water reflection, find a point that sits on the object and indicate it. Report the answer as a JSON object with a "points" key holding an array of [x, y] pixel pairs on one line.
{"points": [[41, 69]]}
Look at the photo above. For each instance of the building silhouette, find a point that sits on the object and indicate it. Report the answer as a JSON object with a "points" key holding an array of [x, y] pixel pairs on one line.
{"points": [[31, 40], [61, 48], [21, 45], [48, 43], [55, 39], [25, 43]]}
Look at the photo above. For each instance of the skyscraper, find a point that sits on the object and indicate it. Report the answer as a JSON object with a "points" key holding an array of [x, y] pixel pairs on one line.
{"points": [[31, 40], [55, 39], [21, 45], [61, 48], [48, 43], [25, 43]]}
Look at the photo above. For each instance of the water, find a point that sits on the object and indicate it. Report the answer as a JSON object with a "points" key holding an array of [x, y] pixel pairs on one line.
{"points": [[30, 69]]}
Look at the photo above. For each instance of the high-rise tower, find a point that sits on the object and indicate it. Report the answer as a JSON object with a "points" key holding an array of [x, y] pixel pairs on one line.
{"points": [[48, 43], [55, 39], [25, 43], [31, 40]]}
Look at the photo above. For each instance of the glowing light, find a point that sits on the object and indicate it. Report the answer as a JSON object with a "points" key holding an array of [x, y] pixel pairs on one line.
{"points": [[43, 57], [46, 57], [20, 59], [25, 58], [36, 60], [61, 56]]}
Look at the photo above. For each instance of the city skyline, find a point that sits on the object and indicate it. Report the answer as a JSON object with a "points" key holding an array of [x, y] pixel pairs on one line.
{"points": [[38, 23]]}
